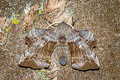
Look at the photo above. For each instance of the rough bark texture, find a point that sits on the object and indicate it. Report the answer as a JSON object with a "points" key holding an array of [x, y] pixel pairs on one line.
{"points": [[102, 17]]}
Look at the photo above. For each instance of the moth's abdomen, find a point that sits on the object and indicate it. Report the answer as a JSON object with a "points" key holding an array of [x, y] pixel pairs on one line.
{"points": [[63, 60]]}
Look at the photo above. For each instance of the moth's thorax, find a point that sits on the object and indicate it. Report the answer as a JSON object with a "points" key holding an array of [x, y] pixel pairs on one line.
{"points": [[62, 39], [62, 44]]}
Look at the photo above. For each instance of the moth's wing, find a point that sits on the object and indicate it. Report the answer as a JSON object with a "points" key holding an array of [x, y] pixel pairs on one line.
{"points": [[83, 58], [38, 55], [88, 37], [34, 35]]}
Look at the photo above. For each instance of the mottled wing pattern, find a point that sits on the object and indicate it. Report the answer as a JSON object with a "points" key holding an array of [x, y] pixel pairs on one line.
{"points": [[88, 37], [41, 45], [34, 35], [83, 58]]}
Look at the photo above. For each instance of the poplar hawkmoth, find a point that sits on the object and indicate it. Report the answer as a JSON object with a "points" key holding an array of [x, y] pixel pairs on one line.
{"points": [[60, 39]]}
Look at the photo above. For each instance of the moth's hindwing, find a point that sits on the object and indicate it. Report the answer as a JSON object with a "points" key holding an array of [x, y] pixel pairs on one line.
{"points": [[39, 50], [37, 58], [83, 59], [80, 46]]}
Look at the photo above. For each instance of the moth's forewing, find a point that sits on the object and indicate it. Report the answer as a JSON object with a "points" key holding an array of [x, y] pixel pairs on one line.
{"points": [[83, 59], [34, 35], [88, 37]]}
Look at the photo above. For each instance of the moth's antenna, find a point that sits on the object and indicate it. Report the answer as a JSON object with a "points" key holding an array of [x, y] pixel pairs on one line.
{"points": [[71, 26], [53, 24], [75, 22], [49, 23]]}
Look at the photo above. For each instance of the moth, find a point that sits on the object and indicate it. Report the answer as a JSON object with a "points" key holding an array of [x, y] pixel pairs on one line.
{"points": [[43, 42]]}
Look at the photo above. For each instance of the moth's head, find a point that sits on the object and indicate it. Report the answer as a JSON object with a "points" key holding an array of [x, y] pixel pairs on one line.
{"points": [[63, 29]]}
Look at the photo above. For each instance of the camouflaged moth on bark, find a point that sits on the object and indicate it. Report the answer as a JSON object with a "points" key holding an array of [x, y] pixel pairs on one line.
{"points": [[43, 42]]}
